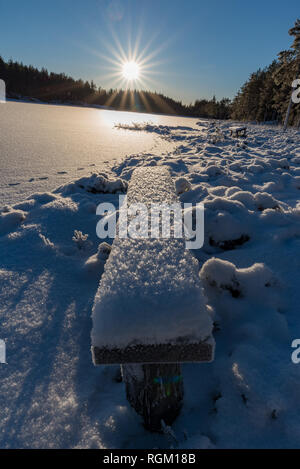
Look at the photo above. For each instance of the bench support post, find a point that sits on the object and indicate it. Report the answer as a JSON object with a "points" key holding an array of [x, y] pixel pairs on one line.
{"points": [[155, 391]]}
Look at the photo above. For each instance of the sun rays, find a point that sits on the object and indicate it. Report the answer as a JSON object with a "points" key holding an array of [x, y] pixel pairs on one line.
{"points": [[130, 66]]}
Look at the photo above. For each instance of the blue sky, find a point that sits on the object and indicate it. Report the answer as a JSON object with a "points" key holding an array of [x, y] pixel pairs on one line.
{"points": [[194, 48]]}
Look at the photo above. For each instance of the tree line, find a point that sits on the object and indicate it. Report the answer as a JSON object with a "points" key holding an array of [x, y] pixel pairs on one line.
{"points": [[266, 94], [30, 82]]}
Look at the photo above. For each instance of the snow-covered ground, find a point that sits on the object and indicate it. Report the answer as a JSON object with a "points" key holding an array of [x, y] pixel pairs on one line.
{"points": [[52, 395]]}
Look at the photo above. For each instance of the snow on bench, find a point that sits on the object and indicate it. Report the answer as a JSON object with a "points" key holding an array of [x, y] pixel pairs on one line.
{"points": [[150, 307], [237, 131]]}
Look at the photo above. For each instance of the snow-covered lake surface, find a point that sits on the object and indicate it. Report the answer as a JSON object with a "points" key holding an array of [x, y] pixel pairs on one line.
{"points": [[51, 394], [42, 146]]}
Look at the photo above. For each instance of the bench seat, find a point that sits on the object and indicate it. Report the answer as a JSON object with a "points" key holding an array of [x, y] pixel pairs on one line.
{"points": [[150, 306], [238, 131]]}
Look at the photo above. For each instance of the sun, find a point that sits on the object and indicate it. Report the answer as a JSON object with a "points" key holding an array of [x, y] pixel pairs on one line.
{"points": [[131, 71]]}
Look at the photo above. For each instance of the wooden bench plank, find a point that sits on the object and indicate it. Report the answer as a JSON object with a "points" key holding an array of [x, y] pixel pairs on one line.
{"points": [[150, 307], [161, 353]]}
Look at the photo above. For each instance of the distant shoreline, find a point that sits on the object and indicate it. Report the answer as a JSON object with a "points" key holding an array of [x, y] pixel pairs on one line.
{"points": [[28, 100]]}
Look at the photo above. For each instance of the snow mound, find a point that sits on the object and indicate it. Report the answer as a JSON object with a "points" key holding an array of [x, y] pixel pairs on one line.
{"points": [[182, 185], [245, 197], [228, 224], [264, 201], [259, 201], [96, 262], [96, 184], [43, 197], [224, 276], [213, 171], [9, 221]]}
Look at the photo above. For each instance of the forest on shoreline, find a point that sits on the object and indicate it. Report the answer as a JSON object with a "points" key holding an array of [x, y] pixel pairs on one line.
{"points": [[30, 82], [266, 94]]}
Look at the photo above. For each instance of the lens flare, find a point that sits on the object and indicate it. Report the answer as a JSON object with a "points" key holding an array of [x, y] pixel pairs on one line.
{"points": [[131, 71]]}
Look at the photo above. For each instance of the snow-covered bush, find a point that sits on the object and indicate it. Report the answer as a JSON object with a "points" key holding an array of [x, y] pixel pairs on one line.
{"points": [[81, 240], [46, 241]]}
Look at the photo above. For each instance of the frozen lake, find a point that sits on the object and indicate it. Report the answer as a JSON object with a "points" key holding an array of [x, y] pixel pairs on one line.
{"points": [[43, 146]]}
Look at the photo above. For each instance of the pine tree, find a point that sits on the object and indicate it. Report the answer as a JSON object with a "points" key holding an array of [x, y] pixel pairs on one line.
{"points": [[266, 94]]}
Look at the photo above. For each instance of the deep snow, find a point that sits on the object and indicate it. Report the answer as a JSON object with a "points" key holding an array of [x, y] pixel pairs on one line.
{"points": [[52, 395]]}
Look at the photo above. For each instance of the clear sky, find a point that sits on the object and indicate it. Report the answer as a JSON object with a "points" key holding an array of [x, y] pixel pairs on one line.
{"points": [[192, 48]]}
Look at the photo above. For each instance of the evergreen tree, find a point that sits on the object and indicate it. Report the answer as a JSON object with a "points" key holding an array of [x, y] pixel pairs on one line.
{"points": [[266, 95]]}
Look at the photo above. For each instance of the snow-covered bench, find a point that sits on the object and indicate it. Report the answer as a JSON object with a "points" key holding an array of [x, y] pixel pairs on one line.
{"points": [[236, 131], [150, 307]]}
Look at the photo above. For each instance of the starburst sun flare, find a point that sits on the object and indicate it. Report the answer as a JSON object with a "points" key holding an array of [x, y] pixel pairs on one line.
{"points": [[132, 66], [131, 70]]}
